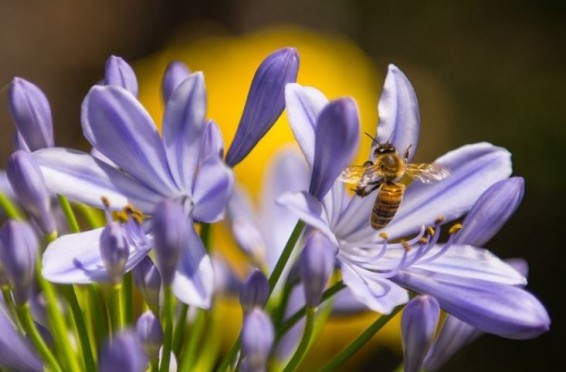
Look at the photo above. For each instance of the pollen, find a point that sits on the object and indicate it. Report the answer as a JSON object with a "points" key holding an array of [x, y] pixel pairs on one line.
{"points": [[405, 245], [384, 235], [455, 228], [439, 220], [128, 212]]}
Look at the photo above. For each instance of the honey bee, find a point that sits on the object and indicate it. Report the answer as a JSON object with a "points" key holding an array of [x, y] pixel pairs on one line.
{"points": [[385, 174]]}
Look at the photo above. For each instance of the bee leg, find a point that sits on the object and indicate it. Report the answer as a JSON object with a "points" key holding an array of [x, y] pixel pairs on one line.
{"points": [[406, 156], [367, 189], [368, 163]]}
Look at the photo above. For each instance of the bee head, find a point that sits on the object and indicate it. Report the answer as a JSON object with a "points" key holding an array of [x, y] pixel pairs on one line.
{"points": [[384, 148]]}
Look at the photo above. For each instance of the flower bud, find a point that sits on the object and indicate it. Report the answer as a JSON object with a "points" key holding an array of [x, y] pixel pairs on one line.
{"points": [[150, 333], [114, 251], [119, 72], [418, 326], [265, 102], [32, 115], [18, 254], [16, 353], [123, 353], [148, 281], [257, 338], [255, 291], [171, 234], [174, 75], [29, 185], [317, 263]]}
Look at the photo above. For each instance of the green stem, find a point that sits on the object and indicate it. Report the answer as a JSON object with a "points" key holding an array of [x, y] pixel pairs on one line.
{"points": [[92, 216], [116, 307], [9, 301], [285, 255], [229, 356], [96, 304], [12, 211], [190, 353], [128, 298], [279, 311], [360, 341], [167, 329], [180, 329], [69, 214], [304, 344], [25, 317]]}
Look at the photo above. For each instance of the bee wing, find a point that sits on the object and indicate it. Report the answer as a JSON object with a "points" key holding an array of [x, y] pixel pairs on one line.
{"points": [[426, 172], [352, 174]]}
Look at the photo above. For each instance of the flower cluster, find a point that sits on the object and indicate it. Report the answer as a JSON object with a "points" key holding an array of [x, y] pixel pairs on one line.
{"points": [[121, 235]]}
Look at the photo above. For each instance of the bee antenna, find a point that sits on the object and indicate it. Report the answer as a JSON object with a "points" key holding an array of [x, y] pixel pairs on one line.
{"points": [[372, 137]]}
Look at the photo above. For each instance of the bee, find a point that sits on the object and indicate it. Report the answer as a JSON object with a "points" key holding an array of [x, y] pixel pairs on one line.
{"points": [[385, 174]]}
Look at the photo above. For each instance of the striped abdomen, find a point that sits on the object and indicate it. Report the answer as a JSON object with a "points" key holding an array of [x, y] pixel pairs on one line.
{"points": [[386, 204]]}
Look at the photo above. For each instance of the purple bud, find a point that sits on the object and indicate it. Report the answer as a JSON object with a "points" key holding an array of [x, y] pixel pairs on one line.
{"points": [[123, 353], [120, 73], [114, 251], [265, 102], [337, 135], [29, 185], [18, 255], [255, 291], [418, 326], [32, 115], [15, 351], [257, 338], [317, 263], [150, 333], [174, 75], [490, 212], [171, 234], [212, 143], [148, 281]]}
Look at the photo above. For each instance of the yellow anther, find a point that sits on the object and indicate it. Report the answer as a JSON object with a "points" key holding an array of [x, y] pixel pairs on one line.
{"points": [[423, 241], [405, 245], [384, 235], [430, 230], [455, 228], [439, 220], [120, 216]]}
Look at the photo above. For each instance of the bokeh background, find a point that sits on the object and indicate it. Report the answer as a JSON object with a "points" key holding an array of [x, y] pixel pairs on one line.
{"points": [[483, 70]]}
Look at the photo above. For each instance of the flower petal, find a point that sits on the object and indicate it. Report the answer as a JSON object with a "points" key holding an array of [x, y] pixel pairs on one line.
{"points": [[399, 118], [193, 283], [245, 225], [119, 72], [418, 325], [17, 352], [183, 125], [212, 142], [120, 128], [304, 104], [504, 310], [81, 177], [75, 258], [309, 209], [5, 187], [212, 189], [378, 294], [175, 73], [336, 140]]}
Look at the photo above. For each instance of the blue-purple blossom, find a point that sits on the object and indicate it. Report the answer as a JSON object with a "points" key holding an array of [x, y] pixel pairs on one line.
{"points": [[124, 353], [174, 75], [265, 102], [378, 266], [142, 168], [150, 334], [255, 291], [114, 251], [257, 338], [119, 72], [32, 115], [29, 186], [316, 266], [148, 281], [418, 326]]}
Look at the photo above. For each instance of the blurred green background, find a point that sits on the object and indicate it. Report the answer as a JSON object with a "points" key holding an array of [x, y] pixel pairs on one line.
{"points": [[483, 71]]}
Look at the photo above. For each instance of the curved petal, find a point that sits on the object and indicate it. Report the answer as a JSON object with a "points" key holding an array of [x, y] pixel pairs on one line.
{"points": [[5, 187], [378, 294], [17, 352], [76, 259], [336, 140], [304, 104], [119, 72], [212, 142], [500, 309], [194, 279], [309, 209], [120, 128], [213, 186], [399, 118], [175, 73], [81, 177], [183, 125]]}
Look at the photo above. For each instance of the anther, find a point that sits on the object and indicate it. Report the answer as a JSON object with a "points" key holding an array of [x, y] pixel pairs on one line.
{"points": [[430, 230], [384, 235], [405, 245], [423, 241], [105, 201], [439, 220]]}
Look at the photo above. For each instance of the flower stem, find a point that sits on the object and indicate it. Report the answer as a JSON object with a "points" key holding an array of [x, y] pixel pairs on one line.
{"points": [[167, 322], [190, 352], [69, 214], [304, 344], [24, 315], [9, 301], [127, 298], [285, 255], [180, 328], [360, 341], [12, 211], [116, 307]]}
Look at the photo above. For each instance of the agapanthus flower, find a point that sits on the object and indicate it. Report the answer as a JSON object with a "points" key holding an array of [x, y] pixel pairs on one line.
{"points": [[378, 266]]}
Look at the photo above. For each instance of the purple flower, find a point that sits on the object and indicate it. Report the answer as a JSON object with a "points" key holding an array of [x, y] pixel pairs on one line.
{"points": [[379, 266], [143, 168], [150, 334], [119, 72], [316, 265], [148, 281], [114, 251], [257, 338], [124, 353], [255, 291], [174, 75]]}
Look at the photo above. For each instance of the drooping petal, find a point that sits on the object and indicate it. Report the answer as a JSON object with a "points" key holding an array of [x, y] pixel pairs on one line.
{"points": [[183, 125], [316, 265], [265, 102], [399, 118], [194, 282], [76, 258], [119, 127], [17, 352], [491, 211], [378, 294], [304, 104], [309, 209], [503, 310], [175, 73], [81, 177], [32, 115], [212, 142], [336, 141], [119, 72], [212, 189]]}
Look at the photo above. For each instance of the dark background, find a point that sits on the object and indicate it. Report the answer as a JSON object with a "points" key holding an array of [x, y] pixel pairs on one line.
{"points": [[500, 66]]}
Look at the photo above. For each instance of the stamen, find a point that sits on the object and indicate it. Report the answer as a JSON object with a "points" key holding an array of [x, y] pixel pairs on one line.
{"points": [[383, 235], [455, 228], [439, 220], [405, 245]]}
